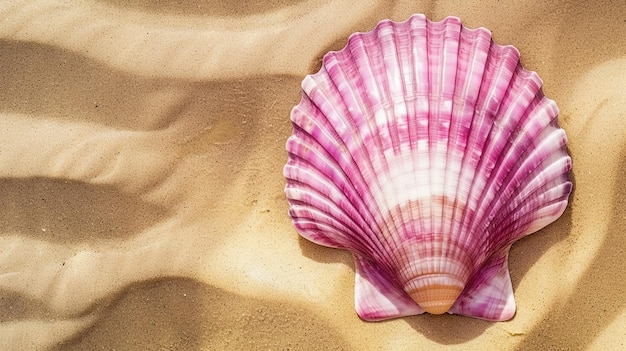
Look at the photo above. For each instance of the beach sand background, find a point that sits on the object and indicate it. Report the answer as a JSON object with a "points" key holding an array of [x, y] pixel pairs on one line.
{"points": [[142, 207]]}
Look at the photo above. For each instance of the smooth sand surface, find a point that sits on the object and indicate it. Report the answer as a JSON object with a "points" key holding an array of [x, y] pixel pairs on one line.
{"points": [[142, 207]]}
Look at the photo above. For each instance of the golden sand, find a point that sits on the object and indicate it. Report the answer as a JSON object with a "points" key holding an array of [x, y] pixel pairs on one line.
{"points": [[141, 155]]}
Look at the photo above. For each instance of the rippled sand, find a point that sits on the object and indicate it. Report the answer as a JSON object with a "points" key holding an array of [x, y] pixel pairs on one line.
{"points": [[141, 155]]}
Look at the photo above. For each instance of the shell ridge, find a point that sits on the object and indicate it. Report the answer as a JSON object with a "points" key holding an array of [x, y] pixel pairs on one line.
{"points": [[506, 154], [332, 124], [500, 68], [447, 130], [367, 164], [536, 165], [305, 190], [408, 131], [480, 139], [302, 145], [546, 215], [469, 62], [406, 275], [471, 133], [553, 190], [525, 159], [321, 229], [405, 218], [473, 49], [421, 30], [305, 199], [420, 124], [499, 108], [300, 211], [307, 143], [442, 47], [372, 155], [370, 137], [410, 216], [317, 139], [326, 230], [389, 119]]}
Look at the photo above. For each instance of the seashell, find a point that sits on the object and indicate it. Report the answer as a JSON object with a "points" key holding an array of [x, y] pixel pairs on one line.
{"points": [[426, 150]]}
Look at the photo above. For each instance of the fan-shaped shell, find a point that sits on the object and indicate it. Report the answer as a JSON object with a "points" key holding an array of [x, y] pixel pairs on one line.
{"points": [[426, 150]]}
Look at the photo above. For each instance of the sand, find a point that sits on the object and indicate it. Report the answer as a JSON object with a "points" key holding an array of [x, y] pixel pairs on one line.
{"points": [[141, 155]]}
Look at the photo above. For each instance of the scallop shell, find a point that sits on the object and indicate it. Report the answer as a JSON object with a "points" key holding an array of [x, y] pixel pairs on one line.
{"points": [[426, 150]]}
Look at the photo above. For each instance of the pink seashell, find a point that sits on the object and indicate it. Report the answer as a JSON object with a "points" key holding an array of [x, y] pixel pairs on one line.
{"points": [[426, 150]]}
